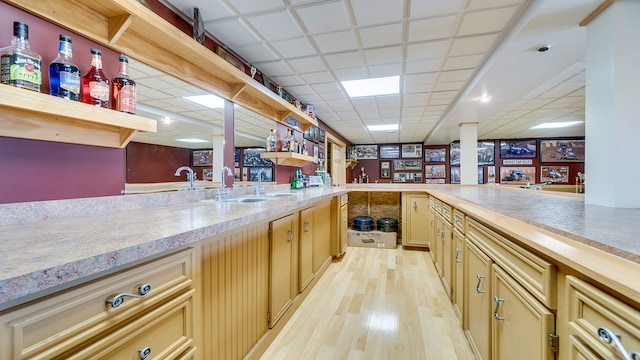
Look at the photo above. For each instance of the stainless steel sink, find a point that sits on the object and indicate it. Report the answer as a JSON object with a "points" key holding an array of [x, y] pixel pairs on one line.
{"points": [[239, 200], [280, 195]]}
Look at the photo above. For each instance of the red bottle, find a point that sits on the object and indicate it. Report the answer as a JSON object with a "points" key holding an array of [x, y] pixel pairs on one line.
{"points": [[95, 85], [123, 89]]}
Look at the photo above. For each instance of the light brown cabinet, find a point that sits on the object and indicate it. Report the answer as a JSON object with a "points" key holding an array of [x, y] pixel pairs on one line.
{"points": [[321, 234], [444, 247], [149, 306], [339, 224], [477, 304], [282, 276], [458, 273], [305, 248], [415, 224]]}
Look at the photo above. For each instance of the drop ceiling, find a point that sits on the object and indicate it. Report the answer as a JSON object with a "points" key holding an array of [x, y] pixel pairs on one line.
{"points": [[448, 53]]}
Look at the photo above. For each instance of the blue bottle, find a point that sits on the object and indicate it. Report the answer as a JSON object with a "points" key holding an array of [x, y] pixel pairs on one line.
{"points": [[64, 75]]}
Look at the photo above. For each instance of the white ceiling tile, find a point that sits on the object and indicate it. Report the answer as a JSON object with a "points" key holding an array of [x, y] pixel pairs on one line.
{"points": [[288, 80], [330, 87], [294, 48], [340, 105], [420, 88], [349, 116], [383, 55], [455, 75], [427, 50], [486, 21], [462, 62], [444, 95], [344, 60], [276, 26], [413, 100], [326, 17], [374, 12], [275, 68], [378, 36], [432, 29], [429, 65], [307, 64], [300, 90], [431, 8], [472, 45], [252, 6], [484, 4], [452, 85], [256, 53], [233, 33], [336, 42], [350, 74], [421, 79], [385, 70], [317, 77]]}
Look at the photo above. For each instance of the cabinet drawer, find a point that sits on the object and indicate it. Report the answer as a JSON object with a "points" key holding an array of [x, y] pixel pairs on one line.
{"points": [[459, 220], [447, 212], [163, 333], [50, 326], [535, 274], [590, 309]]}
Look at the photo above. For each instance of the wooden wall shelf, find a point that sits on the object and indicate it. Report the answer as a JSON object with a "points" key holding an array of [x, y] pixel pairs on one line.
{"points": [[129, 27], [287, 158], [30, 115]]}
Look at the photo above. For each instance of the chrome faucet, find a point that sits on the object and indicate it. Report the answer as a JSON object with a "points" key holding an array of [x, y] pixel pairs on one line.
{"points": [[223, 192], [190, 175], [259, 188]]}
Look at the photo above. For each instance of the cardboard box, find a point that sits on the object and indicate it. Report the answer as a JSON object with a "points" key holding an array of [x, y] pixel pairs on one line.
{"points": [[374, 239]]}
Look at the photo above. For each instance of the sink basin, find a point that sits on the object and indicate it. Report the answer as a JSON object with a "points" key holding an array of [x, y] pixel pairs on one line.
{"points": [[281, 195], [239, 200]]}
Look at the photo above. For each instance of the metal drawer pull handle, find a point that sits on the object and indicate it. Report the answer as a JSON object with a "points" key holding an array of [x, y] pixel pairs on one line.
{"points": [[458, 251], [457, 220], [306, 226], [497, 300], [290, 236], [607, 336], [144, 353], [119, 299], [415, 206], [479, 277]]}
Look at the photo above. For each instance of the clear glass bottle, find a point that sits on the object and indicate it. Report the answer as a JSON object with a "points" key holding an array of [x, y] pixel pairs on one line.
{"points": [[287, 143], [271, 140], [123, 89], [19, 66], [64, 75], [95, 84]]}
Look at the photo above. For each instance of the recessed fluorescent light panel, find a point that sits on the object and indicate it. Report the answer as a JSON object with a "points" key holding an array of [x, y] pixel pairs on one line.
{"points": [[556, 125], [193, 140], [372, 87], [382, 127], [210, 101]]}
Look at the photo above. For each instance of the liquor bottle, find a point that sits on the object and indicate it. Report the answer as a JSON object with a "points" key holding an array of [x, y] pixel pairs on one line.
{"points": [[19, 66], [123, 89], [95, 85], [288, 141], [271, 141], [304, 148], [293, 142], [64, 75]]}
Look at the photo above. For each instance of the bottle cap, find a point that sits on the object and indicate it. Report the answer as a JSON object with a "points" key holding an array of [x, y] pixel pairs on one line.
{"points": [[20, 30], [65, 38], [95, 51], [124, 58]]}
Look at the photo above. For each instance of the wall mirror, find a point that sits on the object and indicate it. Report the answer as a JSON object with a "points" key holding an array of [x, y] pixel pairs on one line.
{"points": [[182, 124]]}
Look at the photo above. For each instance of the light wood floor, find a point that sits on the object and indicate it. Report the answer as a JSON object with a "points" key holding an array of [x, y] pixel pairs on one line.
{"points": [[374, 304]]}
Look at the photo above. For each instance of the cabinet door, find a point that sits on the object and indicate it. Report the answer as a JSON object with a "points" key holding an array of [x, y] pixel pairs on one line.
{"points": [[432, 233], [477, 305], [444, 249], [305, 248], [321, 234], [416, 210], [520, 323], [281, 277], [344, 226], [458, 274]]}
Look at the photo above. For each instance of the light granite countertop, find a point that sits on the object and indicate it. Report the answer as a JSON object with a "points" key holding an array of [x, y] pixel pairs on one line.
{"points": [[47, 246]]}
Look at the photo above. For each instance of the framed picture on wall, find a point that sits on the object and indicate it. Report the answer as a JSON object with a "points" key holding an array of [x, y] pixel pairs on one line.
{"points": [[389, 151], [454, 174], [434, 181], [412, 150], [399, 177], [202, 158], [518, 149], [266, 175], [413, 164], [207, 174], [554, 174], [562, 150], [486, 153], [517, 174], [435, 171], [398, 164], [385, 169], [251, 157], [435, 155], [366, 152]]}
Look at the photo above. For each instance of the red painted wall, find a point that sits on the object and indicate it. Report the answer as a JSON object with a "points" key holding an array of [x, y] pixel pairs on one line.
{"points": [[34, 170]]}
